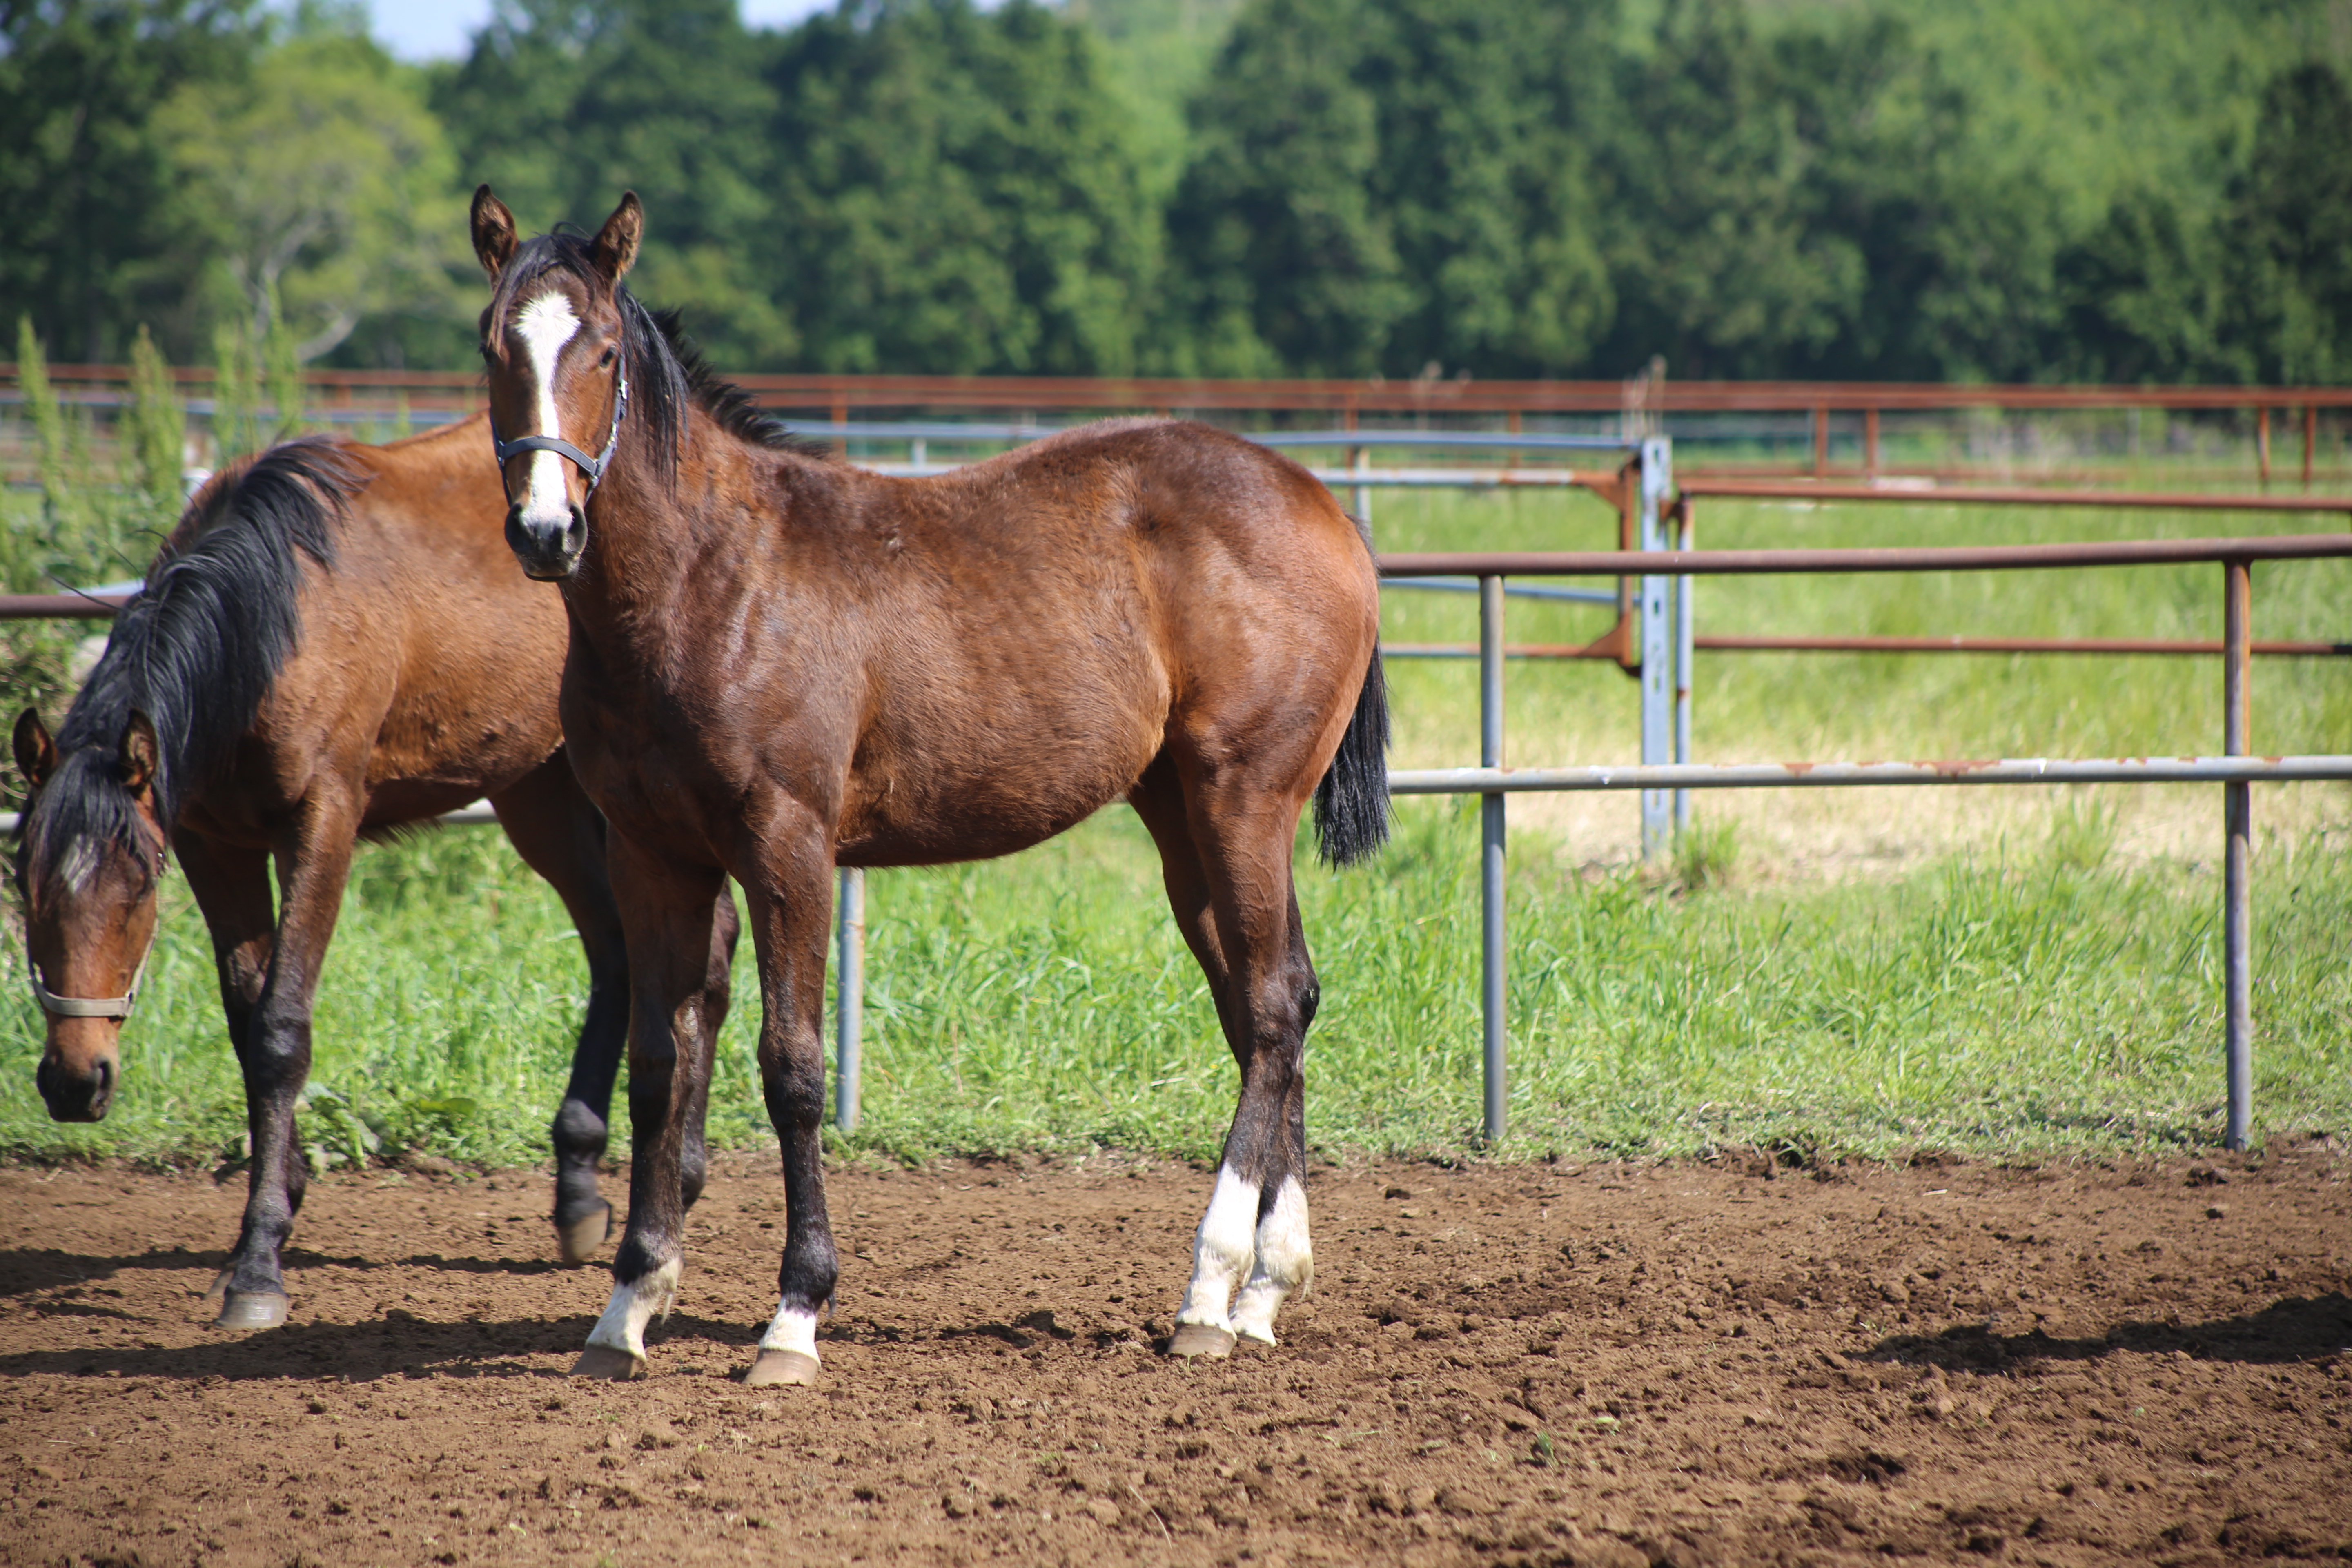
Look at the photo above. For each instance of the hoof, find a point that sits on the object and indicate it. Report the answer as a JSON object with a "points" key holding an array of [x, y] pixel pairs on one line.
{"points": [[585, 1236], [777, 1367], [251, 1309], [1201, 1339], [611, 1365]]}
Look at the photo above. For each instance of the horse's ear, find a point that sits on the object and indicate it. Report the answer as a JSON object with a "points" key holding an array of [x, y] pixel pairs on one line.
{"points": [[140, 754], [615, 250], [494, 233], [36, 754]]}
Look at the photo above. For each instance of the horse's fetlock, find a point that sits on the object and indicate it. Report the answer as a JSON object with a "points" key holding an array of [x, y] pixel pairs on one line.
{"points": [[578, 1132]]}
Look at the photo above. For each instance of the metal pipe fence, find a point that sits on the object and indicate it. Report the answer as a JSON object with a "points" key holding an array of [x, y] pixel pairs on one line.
{"points": [[1661, 650]]}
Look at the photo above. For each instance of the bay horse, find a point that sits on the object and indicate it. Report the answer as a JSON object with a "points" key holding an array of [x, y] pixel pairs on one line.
{"points": [[780, 663], [333, 642]]}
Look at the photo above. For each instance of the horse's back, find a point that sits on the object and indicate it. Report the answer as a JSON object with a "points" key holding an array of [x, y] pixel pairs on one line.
{"points": [[427, 665], [1064, 613]]}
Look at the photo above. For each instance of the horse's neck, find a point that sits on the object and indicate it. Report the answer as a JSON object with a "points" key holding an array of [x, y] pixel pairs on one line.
{"points": [[644, 540]]}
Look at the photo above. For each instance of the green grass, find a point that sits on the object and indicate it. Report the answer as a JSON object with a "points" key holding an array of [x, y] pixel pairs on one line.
{"points": [[2040, 993]]}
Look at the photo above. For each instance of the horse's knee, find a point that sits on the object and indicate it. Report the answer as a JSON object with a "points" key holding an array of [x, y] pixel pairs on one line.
{"points": [[794, 1097]]}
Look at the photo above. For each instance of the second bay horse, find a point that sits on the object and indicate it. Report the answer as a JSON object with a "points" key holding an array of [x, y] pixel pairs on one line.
{"points": [[333, 642], [780, 663]]}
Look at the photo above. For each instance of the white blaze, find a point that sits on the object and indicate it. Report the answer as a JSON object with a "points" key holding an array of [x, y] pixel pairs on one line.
{"points": [[546, 324]]}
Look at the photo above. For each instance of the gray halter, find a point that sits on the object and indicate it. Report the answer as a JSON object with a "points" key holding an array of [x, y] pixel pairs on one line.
{"points": [[58, 1007]]}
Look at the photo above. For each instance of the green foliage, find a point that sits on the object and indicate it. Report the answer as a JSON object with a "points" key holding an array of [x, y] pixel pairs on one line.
{"points": [[156, 428], [323, 191], [562, 104], [1377, 185], [236, 391], [957, 194], [1852, 188], [92, 243], [64, 479]]}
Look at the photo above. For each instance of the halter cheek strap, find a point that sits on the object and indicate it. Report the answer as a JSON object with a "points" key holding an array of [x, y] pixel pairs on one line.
{"points": [[593, 466]]}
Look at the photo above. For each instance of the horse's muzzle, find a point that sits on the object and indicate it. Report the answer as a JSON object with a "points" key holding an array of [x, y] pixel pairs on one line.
{"points": [[549, 554], [76, 1097]]}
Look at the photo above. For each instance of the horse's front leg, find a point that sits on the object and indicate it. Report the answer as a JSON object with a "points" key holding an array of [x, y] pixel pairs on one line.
{"points": [[666, 915], [560, 833], [232, 888], [273, 1047], [791, 906]]}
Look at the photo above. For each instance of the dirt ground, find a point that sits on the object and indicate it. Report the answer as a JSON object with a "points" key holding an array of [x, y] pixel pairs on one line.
{"points": [[1609, 1364]]}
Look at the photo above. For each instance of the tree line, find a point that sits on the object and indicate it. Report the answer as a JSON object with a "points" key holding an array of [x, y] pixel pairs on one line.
{"points": [[1986, 190]]}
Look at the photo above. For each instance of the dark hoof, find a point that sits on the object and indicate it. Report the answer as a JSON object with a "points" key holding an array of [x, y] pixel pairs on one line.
{"points": [[585, 1236], [778, 1367], [243, 1309], [1201, 1339], [611, 1365]]}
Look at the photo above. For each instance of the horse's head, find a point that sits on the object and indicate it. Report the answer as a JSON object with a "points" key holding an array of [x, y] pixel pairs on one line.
{"points": [[88, 874], [555, 339]]}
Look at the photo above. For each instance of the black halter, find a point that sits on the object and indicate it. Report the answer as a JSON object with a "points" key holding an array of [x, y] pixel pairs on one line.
{"points": [[593, 466]]}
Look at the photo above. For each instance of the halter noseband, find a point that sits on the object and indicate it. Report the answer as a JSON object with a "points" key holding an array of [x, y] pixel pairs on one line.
{"points": [[58, 1007], [593, 466]]}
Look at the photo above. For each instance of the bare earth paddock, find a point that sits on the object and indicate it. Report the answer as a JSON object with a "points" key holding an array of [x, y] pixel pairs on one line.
{"points": [[1609, 1364]]}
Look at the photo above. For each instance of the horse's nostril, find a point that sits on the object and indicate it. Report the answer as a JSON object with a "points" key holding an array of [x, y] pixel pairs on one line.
{"points": [[104, 1073]]}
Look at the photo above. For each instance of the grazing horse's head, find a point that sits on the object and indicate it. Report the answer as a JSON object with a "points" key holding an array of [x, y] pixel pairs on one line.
{"points": [[556, 339], [90, 858]]}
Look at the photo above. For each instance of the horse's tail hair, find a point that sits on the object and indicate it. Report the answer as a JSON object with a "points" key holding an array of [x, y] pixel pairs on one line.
{"points": [[1351, 804]]}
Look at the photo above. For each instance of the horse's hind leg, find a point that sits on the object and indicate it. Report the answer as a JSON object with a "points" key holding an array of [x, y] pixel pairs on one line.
{"points": [[1225, 858], [726, 926], [560, 836]]}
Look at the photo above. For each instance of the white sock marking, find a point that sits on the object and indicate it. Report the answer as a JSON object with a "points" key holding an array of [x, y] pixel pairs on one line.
{"points": [[1286, 1262], [1221, 1249], [794, 1328], [634, 1305], [545, 325]]}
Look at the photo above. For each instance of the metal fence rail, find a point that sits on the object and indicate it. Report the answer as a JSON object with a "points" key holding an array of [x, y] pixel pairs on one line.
{"points": [[1660, 651], [2236, 770]]}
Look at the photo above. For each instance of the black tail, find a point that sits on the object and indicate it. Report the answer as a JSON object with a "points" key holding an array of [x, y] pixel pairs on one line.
{"points": [[1351, 804]]}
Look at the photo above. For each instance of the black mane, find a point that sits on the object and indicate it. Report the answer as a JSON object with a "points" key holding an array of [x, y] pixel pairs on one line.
{"points": [[667, 371], [196, 649]]}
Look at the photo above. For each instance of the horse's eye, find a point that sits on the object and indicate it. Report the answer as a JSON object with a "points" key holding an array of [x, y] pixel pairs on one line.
{"points": [[607, 359]]}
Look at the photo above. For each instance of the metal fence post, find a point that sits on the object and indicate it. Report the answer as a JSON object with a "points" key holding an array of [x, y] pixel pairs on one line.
{"points": [[1657, 649], [849, 1000], [2237, 811], [1685, 649], [1490, 822]]}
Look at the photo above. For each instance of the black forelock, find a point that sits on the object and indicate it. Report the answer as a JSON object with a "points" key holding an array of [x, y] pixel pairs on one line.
{"points": [[195, 651]]}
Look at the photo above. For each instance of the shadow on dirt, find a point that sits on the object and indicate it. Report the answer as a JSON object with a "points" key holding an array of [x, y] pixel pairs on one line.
{"points": [[2297, 1329], [398, 1344], [24, 1272]]}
